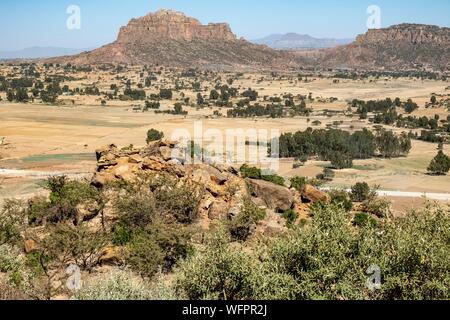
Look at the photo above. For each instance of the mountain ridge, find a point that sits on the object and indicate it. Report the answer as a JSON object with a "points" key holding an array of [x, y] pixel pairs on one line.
{"points": [[173, 39], [37, 52], [294, 41]]}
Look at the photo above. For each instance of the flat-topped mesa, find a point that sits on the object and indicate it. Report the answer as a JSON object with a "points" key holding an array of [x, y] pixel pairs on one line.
{"points": [[168, 24], [407, 33]]}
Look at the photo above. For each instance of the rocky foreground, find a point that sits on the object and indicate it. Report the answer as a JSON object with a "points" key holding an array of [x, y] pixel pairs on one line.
{"points": [[224, 186]]}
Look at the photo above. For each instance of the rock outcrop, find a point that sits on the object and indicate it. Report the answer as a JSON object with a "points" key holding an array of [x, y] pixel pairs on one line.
{"points": [[168, 24], [275, 197], [405, 46], [415, 34], [224, 188]]}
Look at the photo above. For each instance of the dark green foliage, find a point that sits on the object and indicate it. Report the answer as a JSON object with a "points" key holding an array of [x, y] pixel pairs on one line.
{"points": [[299, 183], [214, 95], [62, 205], [390, 146], [360, 192], [158, 247], [340, 147], [255, 173], [241, 226], [250, 94], [342, 199], [12, 222], [154, 135], [165, 94], [362, 219], [152, 105], [291, 217], [440, 165], [134, 94]]}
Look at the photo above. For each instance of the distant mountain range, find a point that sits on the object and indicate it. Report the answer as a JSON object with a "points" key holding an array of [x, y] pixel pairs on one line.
{"points": [[40, 52], [293, 41]]}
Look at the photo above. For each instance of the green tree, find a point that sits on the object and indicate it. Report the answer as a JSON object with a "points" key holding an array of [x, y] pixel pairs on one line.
{"points": [[165, 94], [440, 165], [360, 192], [214, 95]]}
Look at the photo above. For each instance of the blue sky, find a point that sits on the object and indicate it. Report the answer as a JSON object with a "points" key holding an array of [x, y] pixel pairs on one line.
{"points": [[26, 23]]}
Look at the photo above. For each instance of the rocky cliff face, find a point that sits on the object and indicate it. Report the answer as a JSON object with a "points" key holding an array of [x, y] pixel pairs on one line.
{"points": [[405, 46], [168, 24], [413, 34]]}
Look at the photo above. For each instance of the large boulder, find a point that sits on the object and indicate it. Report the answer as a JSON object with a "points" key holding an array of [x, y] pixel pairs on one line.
{"points": [[112, 256], [311, 194], [275, 197]]}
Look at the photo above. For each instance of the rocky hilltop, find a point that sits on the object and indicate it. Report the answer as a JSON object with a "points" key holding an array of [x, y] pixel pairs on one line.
{"points": [[171, 38], [224, 187], [414, 34], [405, 46], [168, 24]]}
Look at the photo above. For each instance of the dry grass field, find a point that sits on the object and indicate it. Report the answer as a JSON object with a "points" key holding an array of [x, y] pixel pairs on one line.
{"points": [[62, 139]]}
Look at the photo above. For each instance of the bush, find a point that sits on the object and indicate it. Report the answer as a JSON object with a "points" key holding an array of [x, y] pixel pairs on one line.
{"points": [[250, 172], [158, 248], [362, 219], [154, 135], [63, 203], [218, 272], [75, 243], [341, 198], [145, 255], [165, 94], [255, 173], [378, 207], [291, 217], [119, 285], [242, 226], [12, 222], [299, 183], [360, 192]]}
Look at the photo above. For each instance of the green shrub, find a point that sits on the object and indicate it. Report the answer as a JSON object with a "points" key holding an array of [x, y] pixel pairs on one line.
{"points": [[360, 192], [378, 207], [341, 198], [154, 135], [255, 173], [291, 217], [145, 256], [79, 244], [12, 222], [250, 172], [299, 183], [119, 285], [241, 226], [121, 235], [218, 272], [275, 179], [362, 219], [65, 197]]}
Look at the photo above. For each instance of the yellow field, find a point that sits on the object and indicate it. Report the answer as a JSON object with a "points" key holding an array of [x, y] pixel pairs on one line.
{"points": [[63, 139]]}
